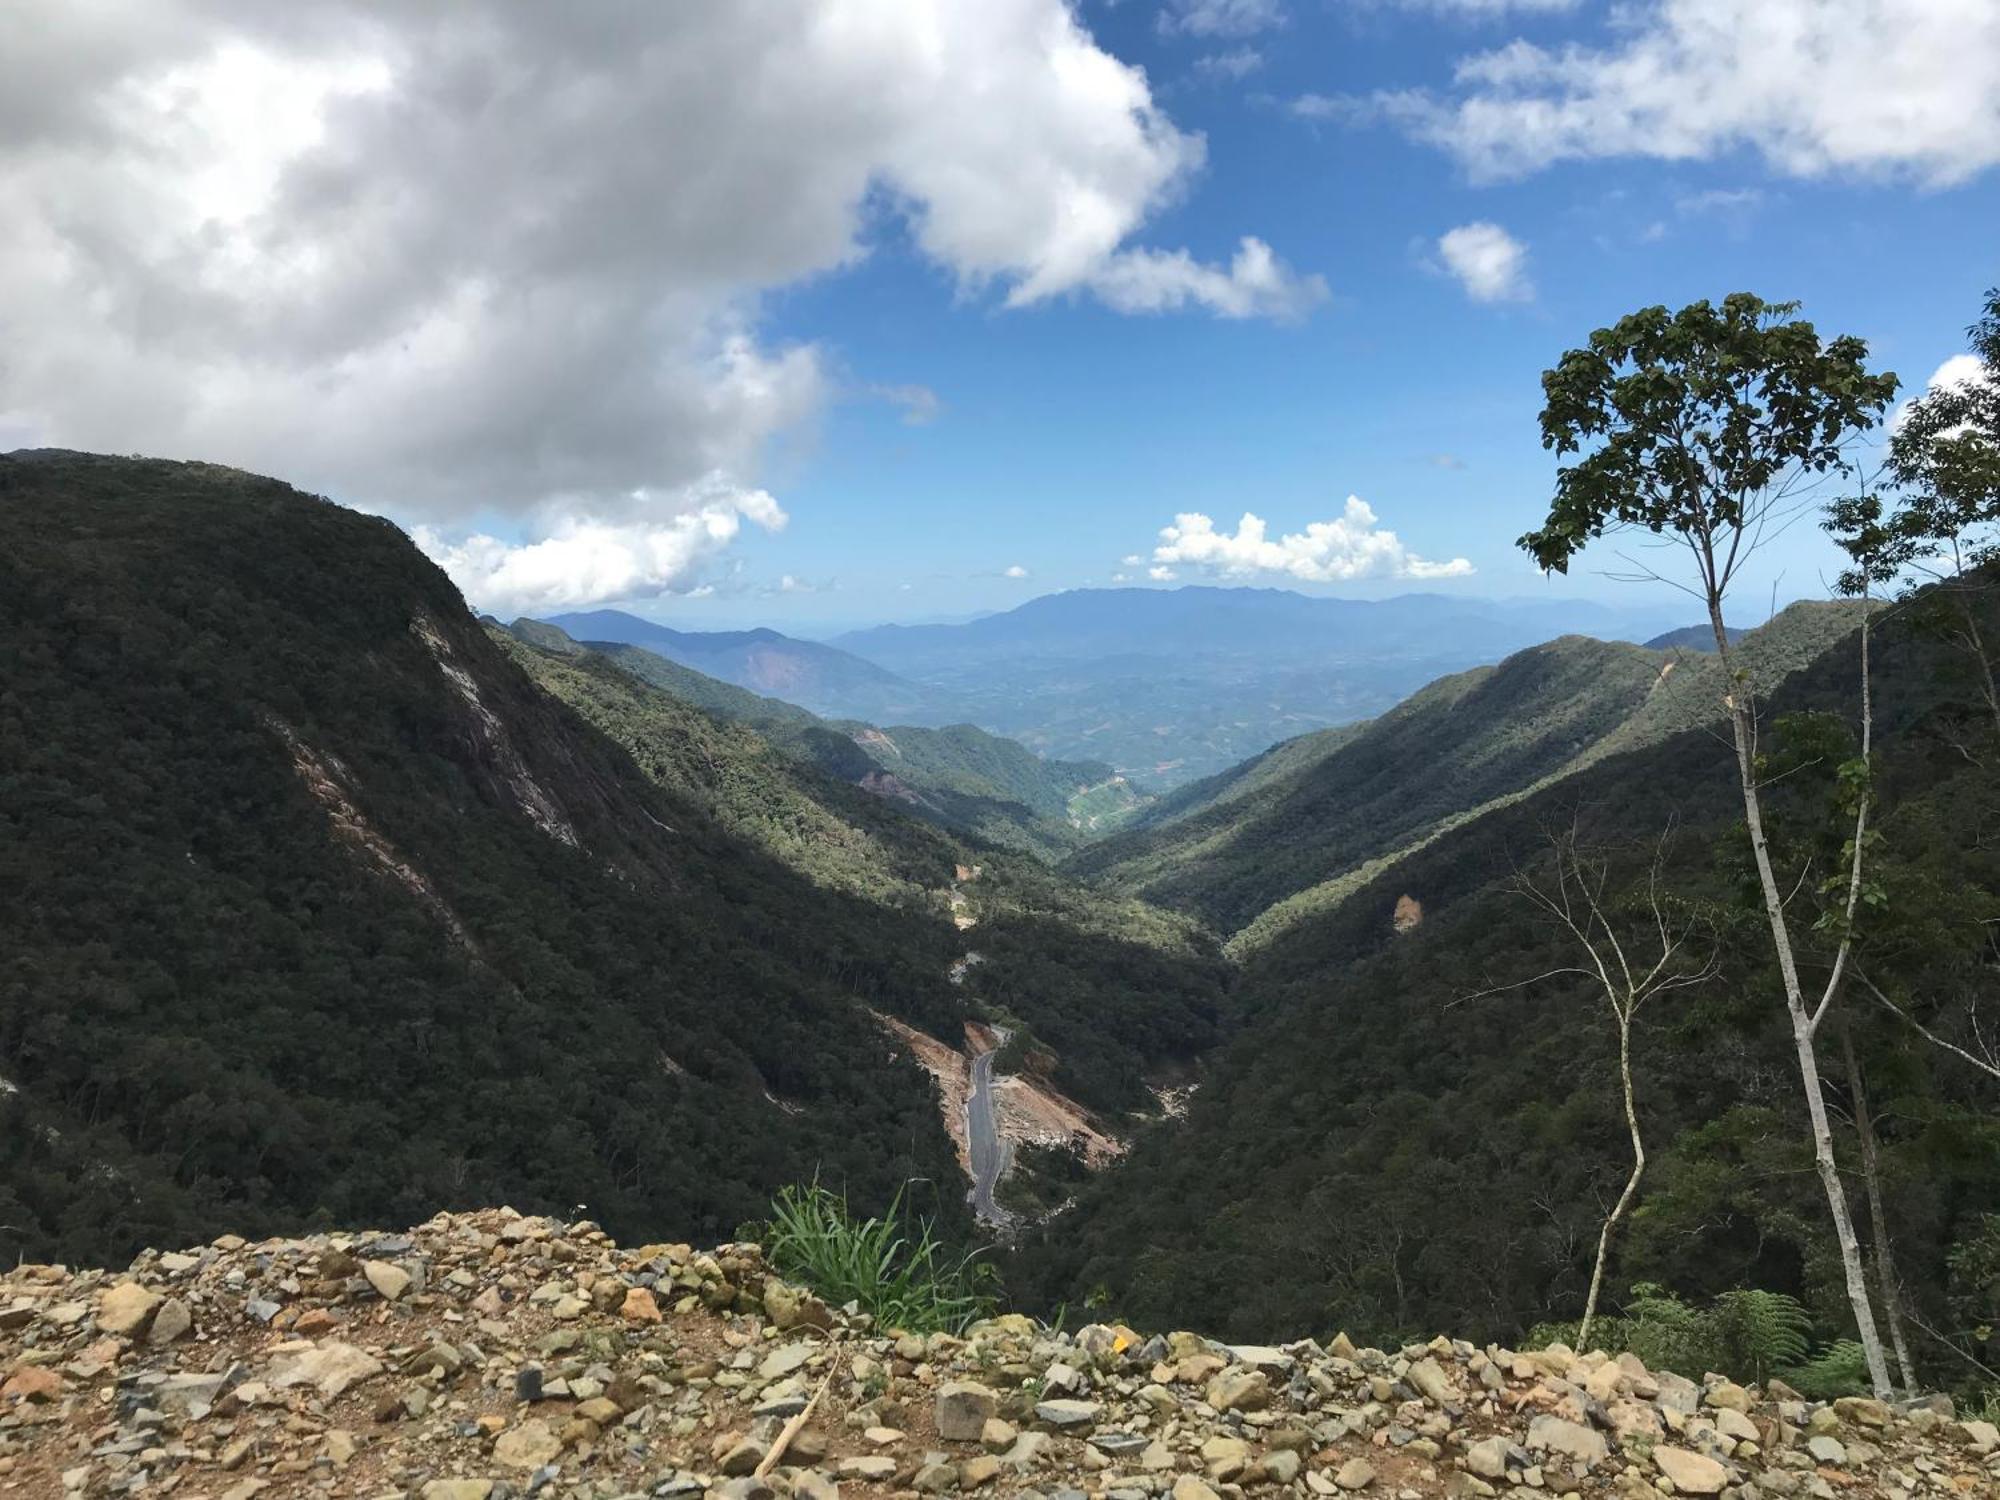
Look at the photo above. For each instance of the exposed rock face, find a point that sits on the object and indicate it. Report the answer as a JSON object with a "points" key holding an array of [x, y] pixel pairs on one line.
{"points": [[516, 1356]]}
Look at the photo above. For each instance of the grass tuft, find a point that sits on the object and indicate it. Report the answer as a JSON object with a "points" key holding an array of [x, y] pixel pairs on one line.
{"points": [[895, 1267]]}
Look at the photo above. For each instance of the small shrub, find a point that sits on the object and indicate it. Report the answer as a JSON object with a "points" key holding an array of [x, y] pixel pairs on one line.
{"points": [[894, 1267]]}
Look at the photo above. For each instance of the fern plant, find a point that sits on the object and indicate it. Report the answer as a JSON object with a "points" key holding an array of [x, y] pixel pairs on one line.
{"points": [[1750, 1335], [1761, 1332], [1840, 1369]]}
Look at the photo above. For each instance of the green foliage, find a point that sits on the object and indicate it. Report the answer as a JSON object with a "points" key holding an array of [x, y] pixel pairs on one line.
{"points": [[1840, 1369], [1684, 422], [893, 1265], [1750, 1335]]}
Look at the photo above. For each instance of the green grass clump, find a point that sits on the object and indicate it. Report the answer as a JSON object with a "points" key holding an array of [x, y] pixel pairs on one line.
{"points": [[893, 1266]]}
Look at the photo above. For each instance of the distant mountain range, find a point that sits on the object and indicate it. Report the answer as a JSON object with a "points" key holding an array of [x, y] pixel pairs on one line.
{"points": [[959, 776], [823, 678], [1169, 685]]}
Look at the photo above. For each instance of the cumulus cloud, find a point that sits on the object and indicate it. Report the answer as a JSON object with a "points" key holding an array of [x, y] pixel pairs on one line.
{"points": [[1476, 9], [501, 268], [1255, 284], [1015, 570], [1220, 18], [1955, 373], [1236, 64], [1489, 262], [1881, 87], [1351, 547], [584, 561], [919, 403]]}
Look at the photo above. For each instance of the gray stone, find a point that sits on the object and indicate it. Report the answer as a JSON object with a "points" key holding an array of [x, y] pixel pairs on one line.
{"points": [[963, 1409], [1548, 1434], [1068, 1413], [1826, 1449]]}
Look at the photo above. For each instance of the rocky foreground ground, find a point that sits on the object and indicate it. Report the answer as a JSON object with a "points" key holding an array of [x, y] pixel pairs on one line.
{"points": [[488, 1355]]}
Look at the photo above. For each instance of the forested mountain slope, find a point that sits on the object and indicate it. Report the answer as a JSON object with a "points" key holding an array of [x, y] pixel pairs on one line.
{"points": [[318, 905], [1302, 822], [958, 775], [1107, 984], [1394, 1143]]}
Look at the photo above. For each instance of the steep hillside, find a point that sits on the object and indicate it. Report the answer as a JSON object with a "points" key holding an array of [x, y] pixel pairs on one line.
{"points": [[1414, 1130], [1291, 832], [319, 906], [822, 678]]}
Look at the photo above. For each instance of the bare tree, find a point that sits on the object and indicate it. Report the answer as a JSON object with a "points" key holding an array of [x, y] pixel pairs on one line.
{"points": [[1664, 949], [1986, 1058]]}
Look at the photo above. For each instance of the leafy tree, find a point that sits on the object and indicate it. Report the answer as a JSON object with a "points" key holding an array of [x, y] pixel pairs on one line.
{"points": [[1945, 454], [1711, 426]]}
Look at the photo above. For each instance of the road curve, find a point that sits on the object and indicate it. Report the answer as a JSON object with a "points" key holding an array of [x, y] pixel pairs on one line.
{"points": [[985, 1151]]}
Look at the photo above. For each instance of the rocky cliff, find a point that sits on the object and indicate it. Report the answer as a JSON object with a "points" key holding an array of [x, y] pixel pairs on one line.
{"points": [[484, 1355]]}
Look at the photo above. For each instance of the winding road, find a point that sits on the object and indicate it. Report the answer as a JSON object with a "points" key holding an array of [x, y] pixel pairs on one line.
{"points": [[984, 1149]]}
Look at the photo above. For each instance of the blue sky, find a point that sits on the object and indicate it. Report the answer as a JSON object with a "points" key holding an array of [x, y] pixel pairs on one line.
{"points": [[1069, 434], [906, 309]]}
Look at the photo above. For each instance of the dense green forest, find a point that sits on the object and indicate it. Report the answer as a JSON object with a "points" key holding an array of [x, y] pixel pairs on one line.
{"points": [[321, 910], [1382, 1151]]}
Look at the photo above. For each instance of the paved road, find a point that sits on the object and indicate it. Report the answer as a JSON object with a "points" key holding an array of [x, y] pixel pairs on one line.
{"points": [[983, 1146]]}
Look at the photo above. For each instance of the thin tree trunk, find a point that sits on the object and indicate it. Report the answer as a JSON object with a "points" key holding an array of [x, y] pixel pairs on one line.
{"points": [[1624, 1202], [1978, 641], [1743, 729], [1878, 1221]]}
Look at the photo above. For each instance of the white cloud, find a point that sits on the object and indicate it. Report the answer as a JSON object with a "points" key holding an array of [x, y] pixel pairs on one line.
{"points": [[919, 403], [1162, 575], [1489, 262], [504, 266], [1015, 571], [1879, 87], [1957, 372], [790, 585], [1720, 201], [1220, 17], [584, 561], [1353, 546], [1477, 9], [1236, 64], [1256, 284]]}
